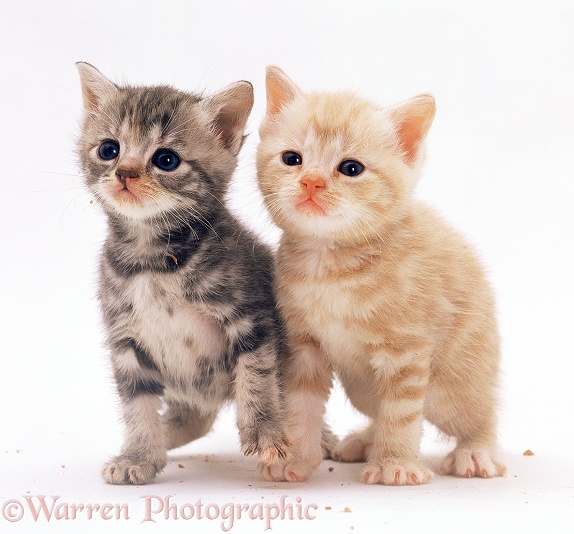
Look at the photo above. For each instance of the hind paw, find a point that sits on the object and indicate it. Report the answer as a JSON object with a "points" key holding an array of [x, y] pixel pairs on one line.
{"points": [[353, 448], [470, 463], [397, 472]]}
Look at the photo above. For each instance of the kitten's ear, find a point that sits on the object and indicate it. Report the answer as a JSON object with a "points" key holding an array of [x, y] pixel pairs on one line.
{"points": [[232, 107], [94, 85], [280, 90], [413, 119]]}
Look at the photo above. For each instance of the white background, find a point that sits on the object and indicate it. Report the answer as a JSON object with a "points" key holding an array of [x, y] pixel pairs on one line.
{"points": [[500, 168]]}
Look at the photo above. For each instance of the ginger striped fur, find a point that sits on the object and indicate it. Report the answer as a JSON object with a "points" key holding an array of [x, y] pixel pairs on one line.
{"points": [[374, 288]]}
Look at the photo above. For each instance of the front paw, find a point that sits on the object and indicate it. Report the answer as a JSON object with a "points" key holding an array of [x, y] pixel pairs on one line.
{"points": [[286, 471], [127, 469], [396, 472], [271, 447]]}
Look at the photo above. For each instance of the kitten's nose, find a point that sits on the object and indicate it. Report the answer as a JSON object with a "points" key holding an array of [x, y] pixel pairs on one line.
{"points": [[312, 184], [127, 172]]}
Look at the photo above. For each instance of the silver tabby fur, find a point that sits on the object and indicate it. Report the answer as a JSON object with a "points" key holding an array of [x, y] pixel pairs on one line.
{"points": [[185, 290]]}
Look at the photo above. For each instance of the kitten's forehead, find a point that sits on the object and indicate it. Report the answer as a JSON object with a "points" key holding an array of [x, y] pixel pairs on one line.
{"points": [[327, 127], [146, 109], [339, 122], [332, 113], [138, 141], [320, 148]]}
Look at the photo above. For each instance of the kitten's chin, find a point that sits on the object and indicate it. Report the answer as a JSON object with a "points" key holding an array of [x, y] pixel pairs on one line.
{"points": [[128, 205], [313, 221], [130, 202]]}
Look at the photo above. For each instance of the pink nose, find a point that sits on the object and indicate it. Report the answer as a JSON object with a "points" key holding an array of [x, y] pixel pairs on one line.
{"points": [[312, 184]]}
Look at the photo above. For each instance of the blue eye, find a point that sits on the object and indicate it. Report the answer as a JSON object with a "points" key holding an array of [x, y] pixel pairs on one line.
{"points": [[351, 168], [292, 159], [109, 150], [165, 159]]}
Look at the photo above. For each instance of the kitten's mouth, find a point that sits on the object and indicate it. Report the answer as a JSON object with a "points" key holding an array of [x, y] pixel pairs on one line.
{"points": [[312, 206], [126, 193]]}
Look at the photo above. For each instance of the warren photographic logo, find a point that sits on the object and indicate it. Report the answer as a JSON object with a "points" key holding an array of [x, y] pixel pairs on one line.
{"points": [[152, 508]]}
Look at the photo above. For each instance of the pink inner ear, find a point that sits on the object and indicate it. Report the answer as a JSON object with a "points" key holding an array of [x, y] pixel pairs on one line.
{"points": [[275, 98], [413, 125], [278, 94], [226, 128], [280, 90], [411, 132]]}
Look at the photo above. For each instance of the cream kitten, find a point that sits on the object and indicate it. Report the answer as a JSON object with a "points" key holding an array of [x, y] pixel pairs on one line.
{"points": [[374, 287]]}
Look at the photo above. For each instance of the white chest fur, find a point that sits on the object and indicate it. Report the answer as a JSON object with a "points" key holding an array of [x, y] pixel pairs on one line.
{"points": [[177, 334]]}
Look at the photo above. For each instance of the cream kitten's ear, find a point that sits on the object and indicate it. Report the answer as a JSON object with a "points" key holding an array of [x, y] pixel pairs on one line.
{"points": [[232, 107], [94, 85], [280, 89], [413, 119]]}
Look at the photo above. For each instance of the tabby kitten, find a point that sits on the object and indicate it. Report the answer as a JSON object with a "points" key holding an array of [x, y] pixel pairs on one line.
{"points": [[374, 287], [185, 290]]}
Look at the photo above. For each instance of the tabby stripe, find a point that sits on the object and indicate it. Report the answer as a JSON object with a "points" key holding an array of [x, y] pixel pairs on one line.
{"points": [[133, 386]]}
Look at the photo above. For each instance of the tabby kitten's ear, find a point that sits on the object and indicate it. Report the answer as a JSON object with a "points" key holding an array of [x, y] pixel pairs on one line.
{"points": [[232, 107], [280, 90], [413, 119], [94, 85]]}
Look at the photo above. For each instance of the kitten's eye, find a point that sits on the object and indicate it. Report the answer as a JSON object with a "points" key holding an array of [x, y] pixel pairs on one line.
{"points": [[292, 159], [109, 150], [351, 168], [165, 159]]}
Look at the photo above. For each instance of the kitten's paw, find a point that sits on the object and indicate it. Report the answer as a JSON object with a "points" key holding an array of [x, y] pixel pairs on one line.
{"points": [[397, 472], [124, 469], [272, 454], [284, 471], [328, 442], [470, 463], [353, 448], [274, 472], [269, 449]]}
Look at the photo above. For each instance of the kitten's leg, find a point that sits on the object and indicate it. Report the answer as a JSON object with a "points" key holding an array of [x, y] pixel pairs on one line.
{"points": [[355, 447], [328, 442], [143, 453], [308, 381], [464, 406], [393, 459], [184, 423], [472, 421], [259, 403]]}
